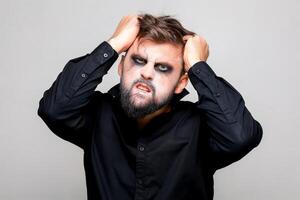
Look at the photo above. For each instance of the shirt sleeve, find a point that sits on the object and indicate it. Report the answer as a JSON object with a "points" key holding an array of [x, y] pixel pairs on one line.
{"points": [[232, 131], [66, 106]]}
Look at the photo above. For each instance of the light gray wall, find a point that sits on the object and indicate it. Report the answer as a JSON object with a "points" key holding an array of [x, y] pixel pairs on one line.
{"points": [[254, 45]]}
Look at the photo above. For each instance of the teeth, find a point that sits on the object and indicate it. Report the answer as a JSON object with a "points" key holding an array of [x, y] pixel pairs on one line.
{"points": [[141, 87]]}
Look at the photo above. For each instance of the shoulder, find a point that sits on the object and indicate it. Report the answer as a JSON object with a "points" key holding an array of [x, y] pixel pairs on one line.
{"points": [[184, 105], [101, 99], [186, 108], [190, 109]]}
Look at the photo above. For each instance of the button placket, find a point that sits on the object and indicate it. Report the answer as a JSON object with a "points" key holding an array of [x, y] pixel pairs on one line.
{"points": [[140, 171]]}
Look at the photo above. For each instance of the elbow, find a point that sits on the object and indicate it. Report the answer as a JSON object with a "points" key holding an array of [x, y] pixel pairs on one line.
{"points": [[46, 112], [254, 135], [43, 113], [247, 139], [258, 133]]}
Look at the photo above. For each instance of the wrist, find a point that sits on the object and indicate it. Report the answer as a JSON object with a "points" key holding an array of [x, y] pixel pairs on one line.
{"points": [[114, 45], [191, 63]]}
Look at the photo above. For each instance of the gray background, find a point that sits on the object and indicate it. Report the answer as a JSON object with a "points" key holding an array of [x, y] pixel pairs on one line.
{"points": [[253, 44]]}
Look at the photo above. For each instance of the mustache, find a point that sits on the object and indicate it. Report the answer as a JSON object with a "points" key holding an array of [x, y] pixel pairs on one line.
{"points": [[146, 82]]}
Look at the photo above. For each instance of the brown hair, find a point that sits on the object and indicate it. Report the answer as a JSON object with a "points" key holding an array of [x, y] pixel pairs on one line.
{"points": [[162, 29]]}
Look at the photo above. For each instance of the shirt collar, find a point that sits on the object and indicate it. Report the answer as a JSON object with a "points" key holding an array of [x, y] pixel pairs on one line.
{"points": [[115, 92]]}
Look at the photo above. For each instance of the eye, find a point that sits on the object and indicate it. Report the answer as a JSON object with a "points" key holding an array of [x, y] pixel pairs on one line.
{"points": [[163, 68], [138, 61]]}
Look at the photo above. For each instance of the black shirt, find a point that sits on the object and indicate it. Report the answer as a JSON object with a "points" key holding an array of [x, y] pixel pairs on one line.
{"points": [[173, 157]]}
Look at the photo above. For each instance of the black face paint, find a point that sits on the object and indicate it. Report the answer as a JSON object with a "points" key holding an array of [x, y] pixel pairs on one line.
{"points": [[163, 67]]}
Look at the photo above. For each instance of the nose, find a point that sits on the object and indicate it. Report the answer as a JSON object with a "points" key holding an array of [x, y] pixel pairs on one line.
{"points": [[147, 71]]}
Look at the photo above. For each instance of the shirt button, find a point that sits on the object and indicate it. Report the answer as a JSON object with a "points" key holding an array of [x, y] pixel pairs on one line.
{"points": [[198, 71], [217, 94], [141, 148], [105, 55], [83, 75]]}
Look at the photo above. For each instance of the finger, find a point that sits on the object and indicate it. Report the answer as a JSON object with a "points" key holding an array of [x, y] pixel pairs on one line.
{"points": [[186, 37]]}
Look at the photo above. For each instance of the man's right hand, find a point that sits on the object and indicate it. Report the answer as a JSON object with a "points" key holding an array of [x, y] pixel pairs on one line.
{"points": [[125, 33]]}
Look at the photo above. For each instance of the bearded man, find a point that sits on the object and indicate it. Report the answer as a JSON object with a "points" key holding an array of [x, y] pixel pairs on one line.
{"points": [[140, 139]]}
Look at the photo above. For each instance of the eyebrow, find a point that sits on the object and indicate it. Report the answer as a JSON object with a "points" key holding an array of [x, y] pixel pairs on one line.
{"points": [[135, 55]]}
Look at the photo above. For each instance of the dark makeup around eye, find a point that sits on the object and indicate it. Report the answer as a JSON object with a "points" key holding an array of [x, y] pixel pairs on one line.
{"points": [[139, 60]]}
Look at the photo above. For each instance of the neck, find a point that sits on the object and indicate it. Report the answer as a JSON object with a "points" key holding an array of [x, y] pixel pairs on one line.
{"points": [[143, 121]]}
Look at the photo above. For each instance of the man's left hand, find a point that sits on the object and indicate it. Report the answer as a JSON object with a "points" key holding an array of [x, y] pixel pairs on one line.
{"points": [[195, 50]]}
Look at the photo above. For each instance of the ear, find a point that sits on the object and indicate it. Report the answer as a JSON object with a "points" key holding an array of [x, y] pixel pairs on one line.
{"points": [[120, 66], [183, 81]]}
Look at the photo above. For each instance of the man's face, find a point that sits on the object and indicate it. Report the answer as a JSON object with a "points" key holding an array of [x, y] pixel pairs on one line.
{"points": [[150, 75]]}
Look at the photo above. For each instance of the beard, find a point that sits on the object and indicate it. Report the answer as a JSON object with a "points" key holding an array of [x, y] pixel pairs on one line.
{"points": [[136, 111]]}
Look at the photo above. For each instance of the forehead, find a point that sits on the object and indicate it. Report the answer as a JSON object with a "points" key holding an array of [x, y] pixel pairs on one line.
{"points": [[157, 52]]}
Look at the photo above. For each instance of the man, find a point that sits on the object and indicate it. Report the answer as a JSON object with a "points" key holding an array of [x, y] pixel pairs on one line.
{"points": [[139, 140]]}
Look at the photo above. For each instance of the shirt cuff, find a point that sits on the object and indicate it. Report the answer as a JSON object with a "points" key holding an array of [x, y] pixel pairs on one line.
{"points": [[101, 54], [202, 70]]}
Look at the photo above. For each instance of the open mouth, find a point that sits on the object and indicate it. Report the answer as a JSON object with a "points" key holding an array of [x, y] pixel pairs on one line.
{"points": [[143, 87]]}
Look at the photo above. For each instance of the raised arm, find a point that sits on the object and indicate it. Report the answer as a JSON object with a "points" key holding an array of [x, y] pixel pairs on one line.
{"points": [[68, 106], [233, 132]]}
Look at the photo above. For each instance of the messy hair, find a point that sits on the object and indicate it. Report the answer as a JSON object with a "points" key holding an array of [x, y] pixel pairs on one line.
{"points": [[162, 29]]}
